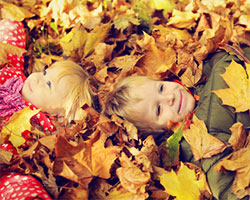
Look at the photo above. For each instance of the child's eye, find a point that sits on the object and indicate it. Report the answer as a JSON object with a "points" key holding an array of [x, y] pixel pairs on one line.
{"points": [[161, 88], [158, 111], [49, 84], [44, 70]]}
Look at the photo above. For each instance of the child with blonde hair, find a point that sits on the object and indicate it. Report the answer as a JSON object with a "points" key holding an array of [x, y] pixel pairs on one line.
{"points": [[152, 105], [60, 90]]}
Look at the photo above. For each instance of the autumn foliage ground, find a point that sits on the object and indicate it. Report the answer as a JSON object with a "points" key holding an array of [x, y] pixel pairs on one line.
{"points": [[105, 158]]}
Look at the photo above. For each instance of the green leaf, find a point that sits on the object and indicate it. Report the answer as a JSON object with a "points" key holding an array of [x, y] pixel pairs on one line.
{"points": [[54, 27], [170, 148]]}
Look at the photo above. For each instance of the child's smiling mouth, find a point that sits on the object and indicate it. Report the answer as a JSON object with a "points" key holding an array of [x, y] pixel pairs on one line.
{"points": [[180, 103]]}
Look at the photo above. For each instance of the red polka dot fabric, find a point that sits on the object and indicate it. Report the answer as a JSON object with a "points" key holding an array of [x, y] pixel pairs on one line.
{"points": [[15, 186], [13, 33]]}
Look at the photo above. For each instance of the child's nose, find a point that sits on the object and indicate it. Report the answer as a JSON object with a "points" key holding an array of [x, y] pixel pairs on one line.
{"points": [[169, 99]]}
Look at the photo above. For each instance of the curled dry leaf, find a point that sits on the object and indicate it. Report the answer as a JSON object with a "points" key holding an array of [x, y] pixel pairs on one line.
{"points": [[203, 145], [238, 136], [131, 177], [238, 161]]}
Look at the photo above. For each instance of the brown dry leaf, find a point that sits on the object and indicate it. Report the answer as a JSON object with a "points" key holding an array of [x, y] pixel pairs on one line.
{"points": [[203, 145], [75, 164], [67, 13], [183, 184], [5, 157], [75, 194], [192, 74], [103, 158], [183, 19], [95, 37], [238, 136], [122, 194], [155, 60], [131, 177], [238, 93], [13, 12], [73, 43], [238, 161]]}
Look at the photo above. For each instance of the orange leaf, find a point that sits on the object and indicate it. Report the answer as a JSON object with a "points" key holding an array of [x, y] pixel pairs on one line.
{"points": [[203, 145]]}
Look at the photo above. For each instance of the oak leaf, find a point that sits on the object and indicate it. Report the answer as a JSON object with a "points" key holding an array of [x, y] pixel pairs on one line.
{"points": [[203, 145], [18, 123], [183, 184], [238, 93]]}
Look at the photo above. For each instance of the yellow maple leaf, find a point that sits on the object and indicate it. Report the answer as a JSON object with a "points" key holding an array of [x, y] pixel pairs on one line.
{"points": [[238, 93], [203, 145], [183, 184], [18, 123]]}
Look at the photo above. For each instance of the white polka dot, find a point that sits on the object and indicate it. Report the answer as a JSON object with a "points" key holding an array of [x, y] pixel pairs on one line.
{"points": [[13, 195], [32, 188], [15, 75], [46, 129], [20, 193], [38, 115], [6, 37], [6, 183], [9, 74], [15, 31], [18, 188], [11, 190], [36, 186], [12, 27], [46, 196], [13, 43], [39, 191], [34, 194], [51, 127], [8, 186], [17, 177], [2, 188], [18, 64], [25, 188], [26, 193], [2, 78], [4, 41], [22, 198], [15, 38], [25, 178], [42, 123], [5, 73]]}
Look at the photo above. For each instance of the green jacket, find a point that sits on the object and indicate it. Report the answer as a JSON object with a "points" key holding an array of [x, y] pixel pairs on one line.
{"points": [[218, 119]]}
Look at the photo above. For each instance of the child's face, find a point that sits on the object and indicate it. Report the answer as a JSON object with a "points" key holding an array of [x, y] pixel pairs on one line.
{"points": [[44, 91], [162, 102]]}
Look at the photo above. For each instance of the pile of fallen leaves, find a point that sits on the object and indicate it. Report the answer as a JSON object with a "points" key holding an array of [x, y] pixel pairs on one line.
{"points": [[106, 158]]}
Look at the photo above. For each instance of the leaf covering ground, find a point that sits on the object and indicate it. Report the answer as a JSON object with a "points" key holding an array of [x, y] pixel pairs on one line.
{"points": [[103, 158]]}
